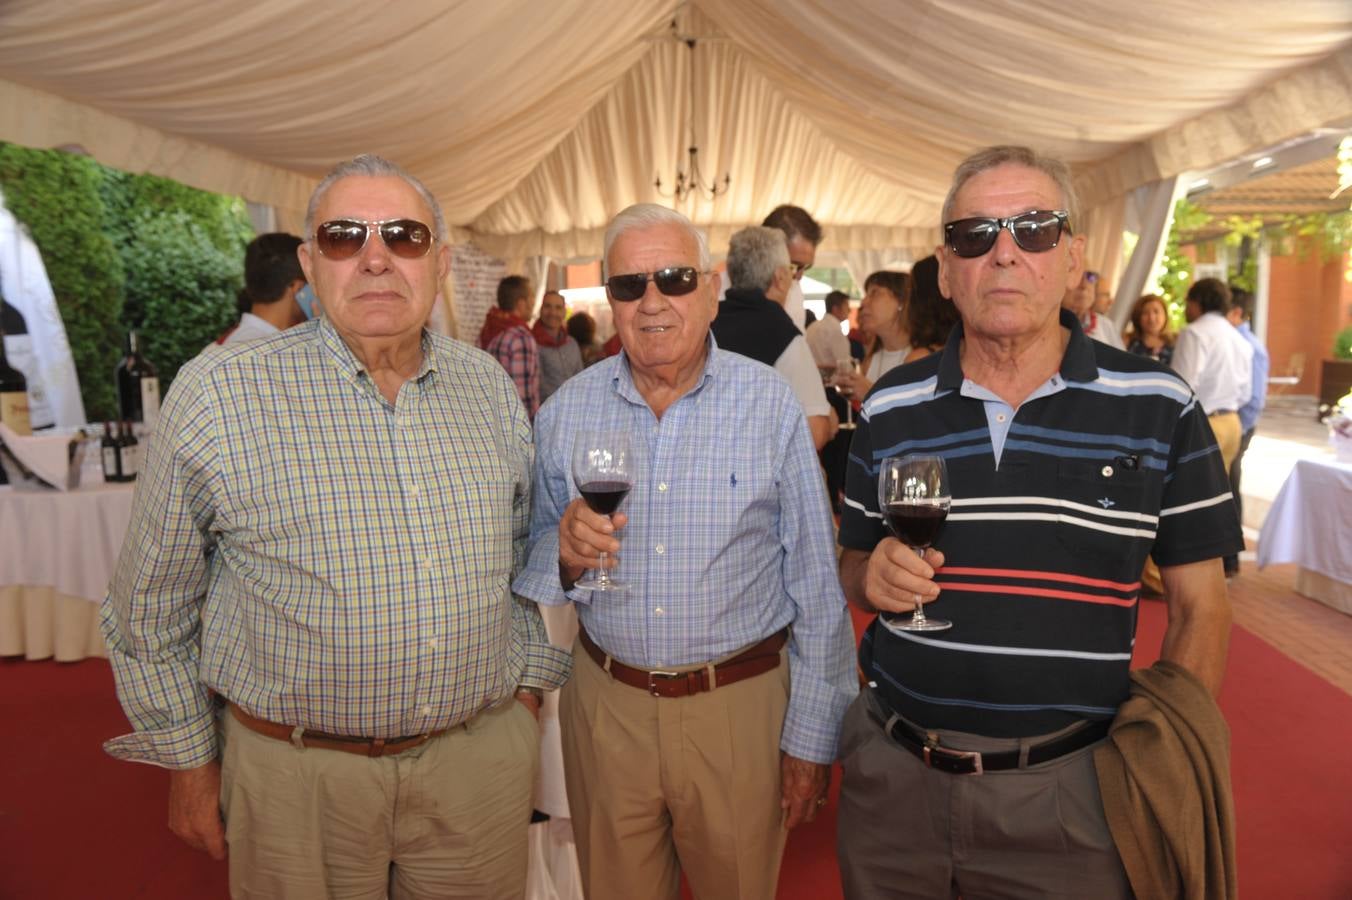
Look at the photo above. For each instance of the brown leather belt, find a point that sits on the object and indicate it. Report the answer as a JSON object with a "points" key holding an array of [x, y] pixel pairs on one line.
{"points": [[363, 746], [754, 660]]}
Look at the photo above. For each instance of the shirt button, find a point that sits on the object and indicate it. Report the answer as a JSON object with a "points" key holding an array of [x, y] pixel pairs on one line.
{"points": [[657, 611], [432, 642], [412, 489], [660, 548], [1000, 417], [1107, 471], [427, 710], [426, 563], [662, 486]]}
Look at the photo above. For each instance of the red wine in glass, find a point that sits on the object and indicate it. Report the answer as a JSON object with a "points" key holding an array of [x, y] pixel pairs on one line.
{"points": [[916, 524], [604, 496], [913, 497], [603, 472]]}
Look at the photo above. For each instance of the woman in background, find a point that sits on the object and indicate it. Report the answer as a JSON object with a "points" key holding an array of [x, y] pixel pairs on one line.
{"points": [[582, 328], [930, 316], [1149, 333], [884, 307]]}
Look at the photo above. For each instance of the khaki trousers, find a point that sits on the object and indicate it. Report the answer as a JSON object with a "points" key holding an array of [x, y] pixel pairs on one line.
{"points": [[1229, 434], [908, 832], [657, 786], [444, 819]]}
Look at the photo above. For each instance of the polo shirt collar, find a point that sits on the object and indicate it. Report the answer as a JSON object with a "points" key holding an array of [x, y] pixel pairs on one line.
{"points": [[1078, 363]]}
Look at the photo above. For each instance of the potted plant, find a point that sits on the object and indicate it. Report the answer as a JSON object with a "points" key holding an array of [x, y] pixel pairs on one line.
{"points": [[1335, 375]]}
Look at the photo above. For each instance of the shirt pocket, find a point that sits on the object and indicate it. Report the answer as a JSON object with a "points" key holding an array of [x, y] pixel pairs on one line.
{"points": [[1103, 517]]}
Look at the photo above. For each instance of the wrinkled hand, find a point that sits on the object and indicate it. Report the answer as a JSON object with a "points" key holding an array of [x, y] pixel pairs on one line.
{"points": [[195, 808], [803, 787], [583, 535], [897, 579]]}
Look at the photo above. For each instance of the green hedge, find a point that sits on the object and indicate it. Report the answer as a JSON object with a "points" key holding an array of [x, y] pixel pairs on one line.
{"points": [[127, 251]]}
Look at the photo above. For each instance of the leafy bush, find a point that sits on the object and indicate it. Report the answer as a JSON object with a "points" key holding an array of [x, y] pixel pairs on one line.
{"points": [[182, 285], [128, 251], [1342, 344]]}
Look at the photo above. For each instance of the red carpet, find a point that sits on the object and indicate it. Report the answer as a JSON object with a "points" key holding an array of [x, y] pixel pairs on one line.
{"points": [[75, 824]]}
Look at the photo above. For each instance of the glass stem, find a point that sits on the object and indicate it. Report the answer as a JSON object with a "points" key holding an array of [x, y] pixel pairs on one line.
{"points": [[602, 576], [918, 614]]}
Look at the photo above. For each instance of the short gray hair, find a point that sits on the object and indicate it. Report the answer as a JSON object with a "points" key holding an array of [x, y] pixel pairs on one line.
{"points": [[754, 253], [991, 157], [368, 165], [651, 215]]}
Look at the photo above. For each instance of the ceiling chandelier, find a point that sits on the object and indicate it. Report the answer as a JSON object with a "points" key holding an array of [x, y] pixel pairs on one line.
{"points": [[690, 181]]}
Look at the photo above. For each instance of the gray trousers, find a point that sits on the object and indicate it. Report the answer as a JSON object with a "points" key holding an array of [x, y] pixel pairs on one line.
{"points": [[908, 831]]}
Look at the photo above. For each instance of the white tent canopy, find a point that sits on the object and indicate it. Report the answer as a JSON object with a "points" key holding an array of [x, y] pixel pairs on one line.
{"points": [[535, 121]]}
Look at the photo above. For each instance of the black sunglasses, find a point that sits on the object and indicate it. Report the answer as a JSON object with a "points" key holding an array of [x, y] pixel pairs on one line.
{"points": [[1036, 231], [673, 281], [345, 238]]}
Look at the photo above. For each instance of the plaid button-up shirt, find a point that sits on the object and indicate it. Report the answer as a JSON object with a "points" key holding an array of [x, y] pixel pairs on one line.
{"points": [[729, 536], [516, 349], [322, 557]]}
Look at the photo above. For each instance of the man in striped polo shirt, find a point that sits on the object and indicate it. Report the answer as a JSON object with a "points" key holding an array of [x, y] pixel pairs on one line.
{"points": [[968, 763]]}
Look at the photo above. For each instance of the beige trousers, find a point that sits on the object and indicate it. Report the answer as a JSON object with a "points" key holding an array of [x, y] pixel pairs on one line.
{"points": [[444, 819], [657, 786]]}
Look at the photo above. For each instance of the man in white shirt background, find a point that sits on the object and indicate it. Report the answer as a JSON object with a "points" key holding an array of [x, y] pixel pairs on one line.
{"points": [[272, 278], [826, 337], [1216, 361]]}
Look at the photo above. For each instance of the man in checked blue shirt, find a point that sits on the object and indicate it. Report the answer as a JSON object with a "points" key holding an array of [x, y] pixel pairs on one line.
{"points": [[324, 537], [703, 715]]}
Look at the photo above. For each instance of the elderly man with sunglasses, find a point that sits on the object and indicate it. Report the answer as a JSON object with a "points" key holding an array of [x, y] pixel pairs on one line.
{"points": [[317, 577], [702, 718], [969, 760]]}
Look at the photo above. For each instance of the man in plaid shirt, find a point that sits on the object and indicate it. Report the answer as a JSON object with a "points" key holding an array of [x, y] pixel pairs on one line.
{"points": [[507, 336], [311, 623]]}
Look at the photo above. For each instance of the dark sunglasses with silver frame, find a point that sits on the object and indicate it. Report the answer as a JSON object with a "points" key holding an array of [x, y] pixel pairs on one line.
{"points": [[1035, 231], [673, 281], [344, 238]]}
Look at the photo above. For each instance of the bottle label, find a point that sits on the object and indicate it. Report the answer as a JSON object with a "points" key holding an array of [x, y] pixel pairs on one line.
{"points": [[150, 401], [131, 461], [110, 463], [14, 411]]}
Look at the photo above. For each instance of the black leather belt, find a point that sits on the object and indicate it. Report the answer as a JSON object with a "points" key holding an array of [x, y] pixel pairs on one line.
{"points": [[973, 762]]}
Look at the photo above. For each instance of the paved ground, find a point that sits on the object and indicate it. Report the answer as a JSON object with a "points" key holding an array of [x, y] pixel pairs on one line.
{"points": [[1287, 431]]}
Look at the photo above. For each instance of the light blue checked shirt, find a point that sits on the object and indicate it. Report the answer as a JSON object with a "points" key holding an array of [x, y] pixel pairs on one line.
{"points": [[729, 536], [321, 557]]}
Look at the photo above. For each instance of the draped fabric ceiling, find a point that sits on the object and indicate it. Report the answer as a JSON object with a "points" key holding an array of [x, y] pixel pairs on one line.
{"points": [[534, 121]]}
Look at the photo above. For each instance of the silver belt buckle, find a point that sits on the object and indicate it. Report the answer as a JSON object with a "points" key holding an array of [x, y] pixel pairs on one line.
{"points": [[973, 755], [665, 676]]}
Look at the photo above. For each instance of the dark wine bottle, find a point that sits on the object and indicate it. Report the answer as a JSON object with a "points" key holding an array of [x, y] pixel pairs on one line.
{"points": [[108, 446], [138, 385], [13, 395], [128, 451]]}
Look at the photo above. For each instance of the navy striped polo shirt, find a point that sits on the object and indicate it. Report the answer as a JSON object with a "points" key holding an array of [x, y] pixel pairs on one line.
{"points": [[1044, 550]]}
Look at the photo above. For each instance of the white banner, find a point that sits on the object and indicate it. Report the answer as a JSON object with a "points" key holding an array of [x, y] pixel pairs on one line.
{"points": [[43, 352]]}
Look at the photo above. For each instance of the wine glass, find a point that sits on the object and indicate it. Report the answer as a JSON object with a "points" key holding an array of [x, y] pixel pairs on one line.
{"points": [[913, 497], [603, 472], [843, 382]]}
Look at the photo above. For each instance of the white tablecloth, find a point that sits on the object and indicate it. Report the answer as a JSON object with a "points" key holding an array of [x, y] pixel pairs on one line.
{"points": [[57, 552], [1310, 523]]}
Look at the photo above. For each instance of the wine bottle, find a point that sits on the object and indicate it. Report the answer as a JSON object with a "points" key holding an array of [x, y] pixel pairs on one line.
{"points": [[19, 351], [13, 395], [138, 385], [111, 464], [129, 451]]}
